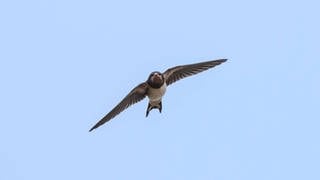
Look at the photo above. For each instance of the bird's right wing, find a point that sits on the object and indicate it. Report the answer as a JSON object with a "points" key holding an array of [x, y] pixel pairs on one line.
{"points": [[137, 94]]}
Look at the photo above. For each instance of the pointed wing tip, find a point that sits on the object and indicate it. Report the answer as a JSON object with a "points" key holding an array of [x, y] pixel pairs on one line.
{"points": [[94, 127], [91, 129], [218, 61], [222, 60]]}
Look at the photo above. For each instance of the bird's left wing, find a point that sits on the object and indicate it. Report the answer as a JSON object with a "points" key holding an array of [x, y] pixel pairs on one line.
{"points": [[137, 94], [176, 73]]}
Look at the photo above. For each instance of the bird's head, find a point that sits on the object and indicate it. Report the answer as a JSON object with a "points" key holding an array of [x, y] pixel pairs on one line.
{"points": [[155, 79]]}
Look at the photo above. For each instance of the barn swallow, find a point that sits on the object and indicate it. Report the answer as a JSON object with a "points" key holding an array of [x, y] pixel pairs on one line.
{"points": [[155, 87]]}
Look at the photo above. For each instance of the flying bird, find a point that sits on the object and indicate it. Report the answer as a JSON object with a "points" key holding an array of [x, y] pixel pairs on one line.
{"points": [[155, 87]]}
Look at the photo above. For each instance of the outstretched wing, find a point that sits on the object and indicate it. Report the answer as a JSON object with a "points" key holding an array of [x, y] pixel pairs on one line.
{"points": [[136, 95], [176, 73]]}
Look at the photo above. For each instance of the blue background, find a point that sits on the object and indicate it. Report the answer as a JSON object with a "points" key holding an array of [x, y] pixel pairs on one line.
{"points": [[65, 64]]}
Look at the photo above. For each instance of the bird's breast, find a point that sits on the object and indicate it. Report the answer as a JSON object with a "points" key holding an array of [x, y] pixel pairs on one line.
{"points": [[155, 94]]}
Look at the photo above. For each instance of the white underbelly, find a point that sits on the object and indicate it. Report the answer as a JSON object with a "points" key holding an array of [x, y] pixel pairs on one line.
{"points": [[155, 95]]}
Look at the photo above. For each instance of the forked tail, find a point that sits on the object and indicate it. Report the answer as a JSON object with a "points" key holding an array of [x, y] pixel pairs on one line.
{"points": [[150, 107]]}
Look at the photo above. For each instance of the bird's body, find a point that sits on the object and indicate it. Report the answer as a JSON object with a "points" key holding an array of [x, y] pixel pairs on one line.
{"points": [[155, 94], [155, 97], [155, 87]]}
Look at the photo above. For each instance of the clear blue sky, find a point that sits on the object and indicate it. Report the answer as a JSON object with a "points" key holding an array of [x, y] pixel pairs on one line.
{"points": [[65, 64]]}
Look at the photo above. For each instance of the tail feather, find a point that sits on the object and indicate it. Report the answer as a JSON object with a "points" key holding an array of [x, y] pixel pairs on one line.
{"points": [[150, 107]]}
